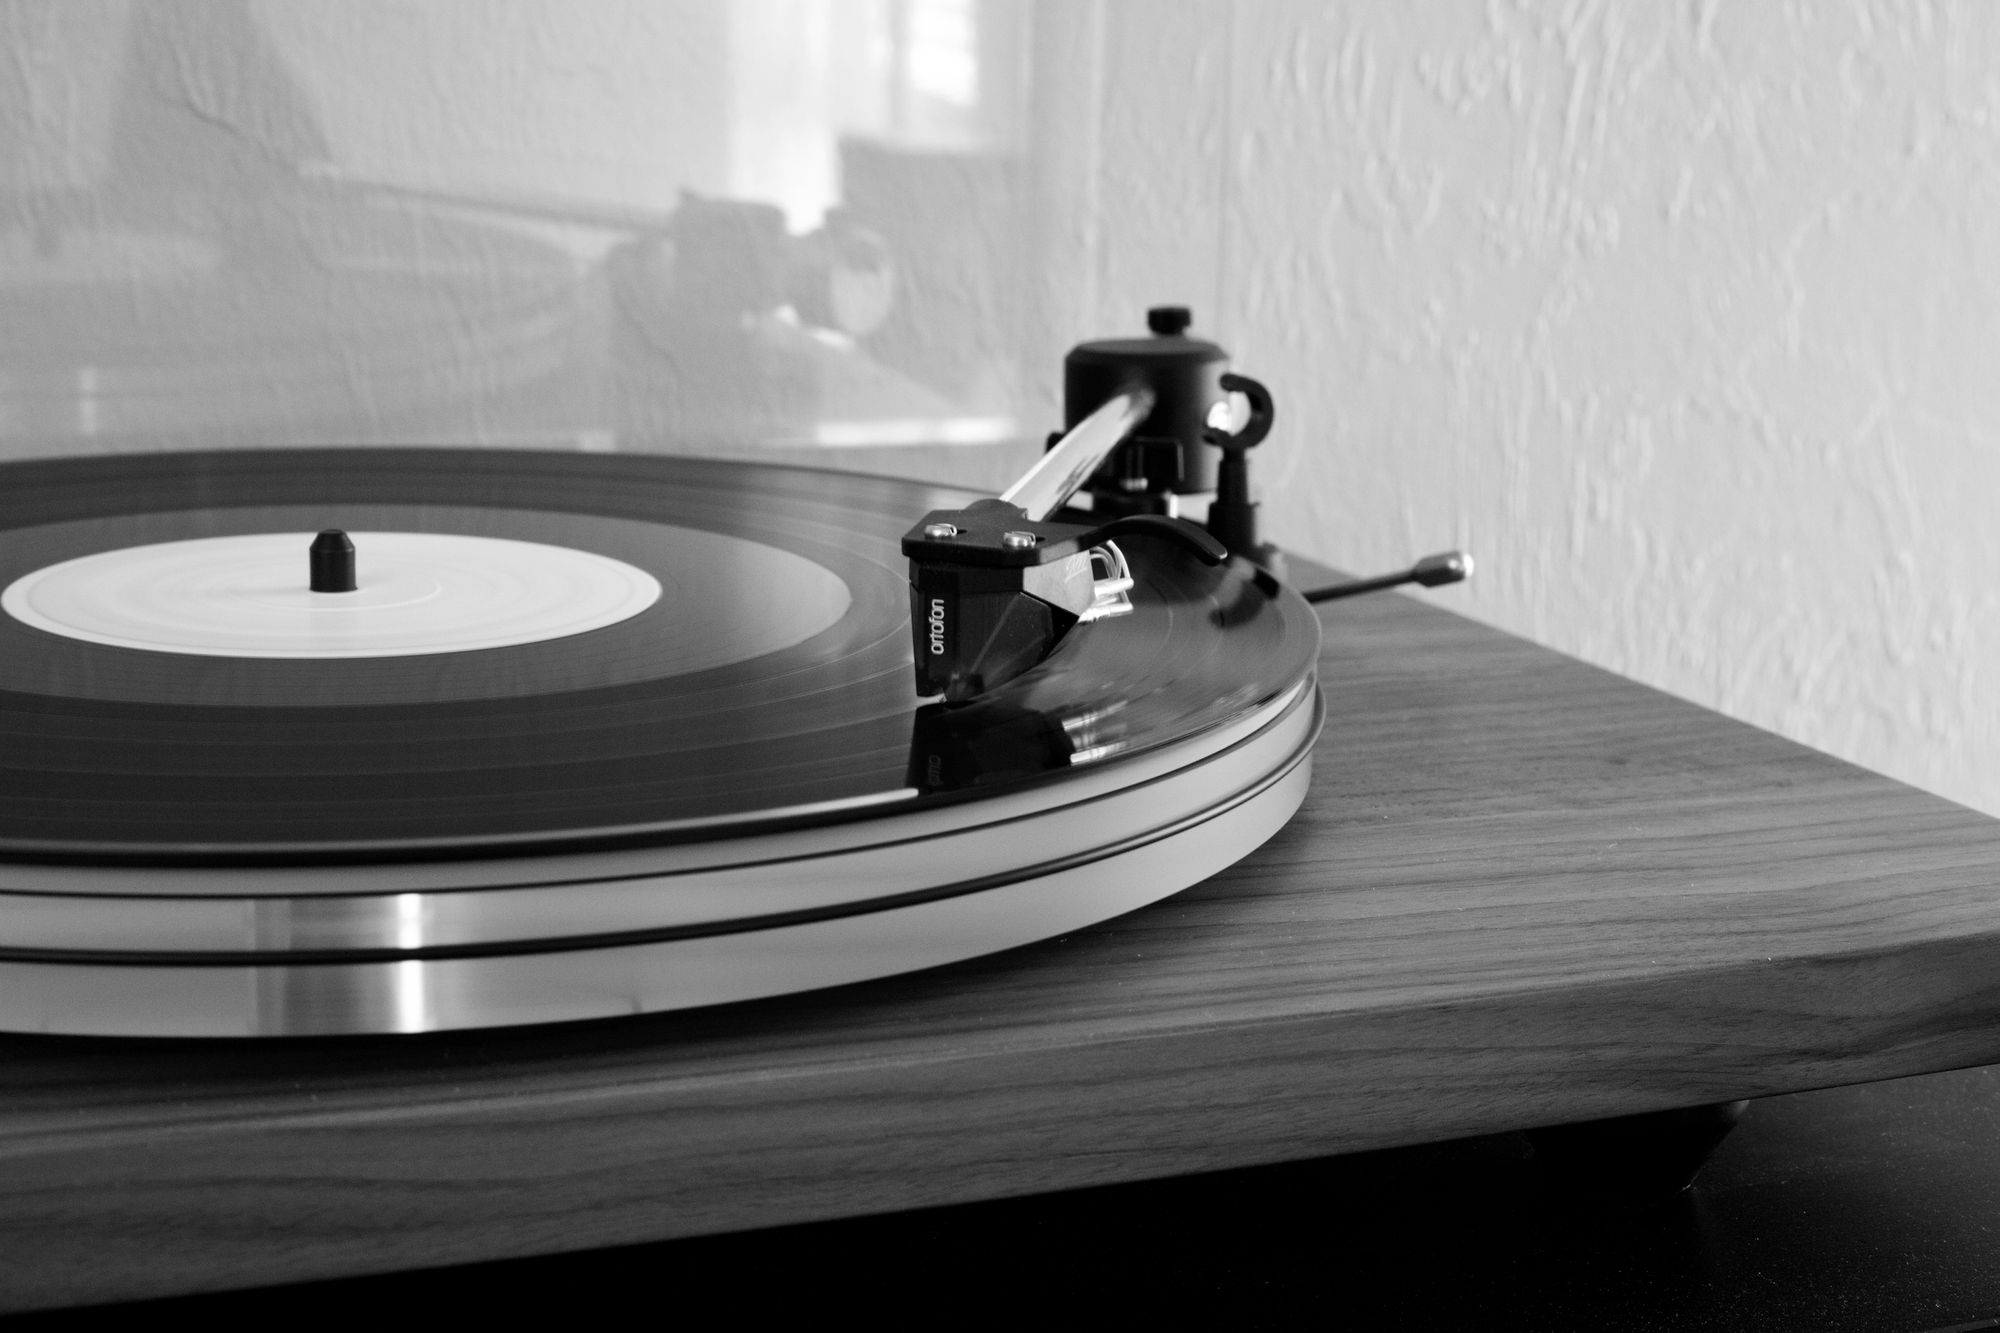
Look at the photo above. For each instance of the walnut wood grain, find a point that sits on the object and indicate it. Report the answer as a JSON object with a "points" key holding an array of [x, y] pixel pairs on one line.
{"points": [[1522, 891]]}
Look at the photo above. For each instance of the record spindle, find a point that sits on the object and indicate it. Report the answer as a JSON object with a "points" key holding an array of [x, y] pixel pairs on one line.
{"points": [[332, 561]]}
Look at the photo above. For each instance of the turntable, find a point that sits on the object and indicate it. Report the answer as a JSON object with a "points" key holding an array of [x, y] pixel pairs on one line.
{"points": [[1519, 891], [522, 737]]}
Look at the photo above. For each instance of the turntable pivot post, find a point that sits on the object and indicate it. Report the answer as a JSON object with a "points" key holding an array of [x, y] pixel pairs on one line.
{"points": [[332, 558]]}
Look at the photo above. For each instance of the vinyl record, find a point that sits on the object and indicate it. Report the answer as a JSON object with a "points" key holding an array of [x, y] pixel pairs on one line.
{"points": [[719, 783]]}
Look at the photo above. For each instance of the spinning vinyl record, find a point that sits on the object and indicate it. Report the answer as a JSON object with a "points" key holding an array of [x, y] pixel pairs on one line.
{"points": [[591, 735]]}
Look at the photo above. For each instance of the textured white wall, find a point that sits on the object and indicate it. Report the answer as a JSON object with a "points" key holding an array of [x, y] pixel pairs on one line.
{"points": [[1684, 318]]}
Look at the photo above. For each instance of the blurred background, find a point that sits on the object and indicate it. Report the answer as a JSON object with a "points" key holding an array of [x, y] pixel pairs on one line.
{"points": [[1683, 318]]}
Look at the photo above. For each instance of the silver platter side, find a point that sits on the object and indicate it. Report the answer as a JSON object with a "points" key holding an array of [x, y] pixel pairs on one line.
{"points": [[236, 952], [673, 810]]}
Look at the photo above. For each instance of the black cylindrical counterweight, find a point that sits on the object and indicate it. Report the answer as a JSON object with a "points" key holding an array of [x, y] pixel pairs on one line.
{"points": [[332, 562], [1185, 376]]}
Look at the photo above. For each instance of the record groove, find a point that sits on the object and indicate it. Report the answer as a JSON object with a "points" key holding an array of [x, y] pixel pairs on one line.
{"points": [[583, 752]]}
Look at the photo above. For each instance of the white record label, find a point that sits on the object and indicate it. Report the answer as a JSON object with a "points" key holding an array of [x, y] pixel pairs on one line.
{"points": [[248, 596]]}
